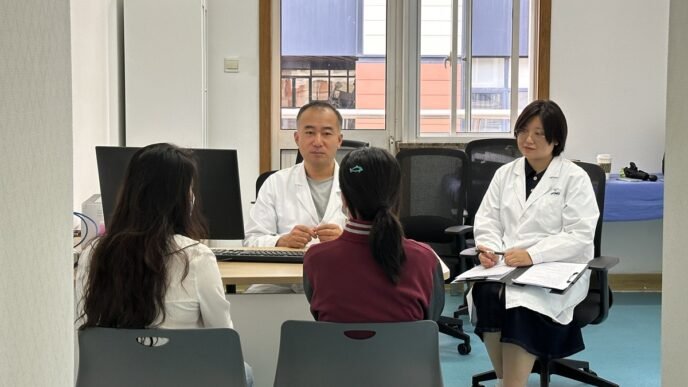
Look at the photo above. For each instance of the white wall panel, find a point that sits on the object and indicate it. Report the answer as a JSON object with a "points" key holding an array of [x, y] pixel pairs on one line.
{"points": [[674, 311], [36, 311], [608, 73], [164, 72]]}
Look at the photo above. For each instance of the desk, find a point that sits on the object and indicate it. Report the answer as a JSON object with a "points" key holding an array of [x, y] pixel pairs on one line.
{"points": [[248, 273], [633, 200]]}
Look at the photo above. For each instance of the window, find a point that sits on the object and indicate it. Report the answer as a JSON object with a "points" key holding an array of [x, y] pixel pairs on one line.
{"points": [[470, 92], [303, 82], [465, 50], [334, 51]]}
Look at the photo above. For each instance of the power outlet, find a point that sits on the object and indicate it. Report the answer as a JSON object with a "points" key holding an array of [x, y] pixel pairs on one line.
{"points": [[232, 65]]}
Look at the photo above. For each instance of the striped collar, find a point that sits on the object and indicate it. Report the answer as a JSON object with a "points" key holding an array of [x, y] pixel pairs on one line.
{"points": [[360, 227]]}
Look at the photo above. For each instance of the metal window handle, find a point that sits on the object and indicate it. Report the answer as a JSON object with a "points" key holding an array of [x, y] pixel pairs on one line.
{"points": [[448, 59]]}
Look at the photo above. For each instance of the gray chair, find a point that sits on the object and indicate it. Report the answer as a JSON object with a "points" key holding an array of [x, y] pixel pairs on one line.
{"points": [[160, 357], [316, 353]]}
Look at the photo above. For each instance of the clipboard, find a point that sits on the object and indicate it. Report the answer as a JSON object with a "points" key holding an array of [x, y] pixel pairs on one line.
{"points": [[558, 277], [479, 273]]}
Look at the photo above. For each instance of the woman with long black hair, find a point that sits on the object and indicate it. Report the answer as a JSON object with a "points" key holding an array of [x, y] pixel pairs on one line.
{"points": [[149, 269]]}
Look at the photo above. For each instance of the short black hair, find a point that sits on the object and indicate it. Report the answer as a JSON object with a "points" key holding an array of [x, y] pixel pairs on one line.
{"points": [[553, 121], [322, 105]]}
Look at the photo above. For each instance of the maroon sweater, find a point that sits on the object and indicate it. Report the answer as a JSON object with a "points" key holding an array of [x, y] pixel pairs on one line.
{"points": [[343, 283]]}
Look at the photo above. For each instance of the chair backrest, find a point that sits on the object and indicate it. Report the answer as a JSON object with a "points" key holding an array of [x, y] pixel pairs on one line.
{"points": [[261, 179], [595, 307], [433, 191], [315, 353], [347, 146], [598, 180], [485, 156], [185, 357]]}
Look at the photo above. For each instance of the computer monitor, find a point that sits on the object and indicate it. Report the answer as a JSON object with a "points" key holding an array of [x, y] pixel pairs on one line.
{"points": [[219, 188]]}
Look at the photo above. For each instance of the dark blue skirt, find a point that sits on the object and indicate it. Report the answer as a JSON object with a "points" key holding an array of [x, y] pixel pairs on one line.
{"points": [[530, 330]]}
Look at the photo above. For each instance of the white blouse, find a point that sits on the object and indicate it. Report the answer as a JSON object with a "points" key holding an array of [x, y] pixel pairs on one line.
{"points": [[198, 301]]}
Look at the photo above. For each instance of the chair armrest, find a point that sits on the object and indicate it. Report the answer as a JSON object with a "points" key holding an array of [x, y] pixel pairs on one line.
{"points": [[603, 263], [459, 230], [470, 253]]}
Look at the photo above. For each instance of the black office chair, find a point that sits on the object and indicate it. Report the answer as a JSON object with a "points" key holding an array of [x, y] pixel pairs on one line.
{"points": [[592, 310], [347, 146], [261, 179], [485, 156], [432, 199]]}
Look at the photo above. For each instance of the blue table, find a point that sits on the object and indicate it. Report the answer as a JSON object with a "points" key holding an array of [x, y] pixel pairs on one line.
{"points": [[633, 200]]}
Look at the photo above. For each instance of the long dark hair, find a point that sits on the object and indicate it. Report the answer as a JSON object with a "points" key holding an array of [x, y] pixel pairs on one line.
{"points": [[127, 279], [370, 179]]}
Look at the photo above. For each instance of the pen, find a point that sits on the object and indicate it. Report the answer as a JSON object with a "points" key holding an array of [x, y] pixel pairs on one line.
{"points": [[485, 252]]}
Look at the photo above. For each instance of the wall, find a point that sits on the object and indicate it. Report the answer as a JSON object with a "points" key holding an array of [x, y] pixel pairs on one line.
{"points": [[674, 311], [164, 72], [608, 72], [233, 97], [96, 92], [36, 312]]}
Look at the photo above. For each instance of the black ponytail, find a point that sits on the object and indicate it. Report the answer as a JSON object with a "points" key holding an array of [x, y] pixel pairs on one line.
{"points": [[370, 179], [385, 242]]}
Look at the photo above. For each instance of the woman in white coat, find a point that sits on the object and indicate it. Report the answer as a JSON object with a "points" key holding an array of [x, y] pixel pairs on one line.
{"points": [[538, 208]]}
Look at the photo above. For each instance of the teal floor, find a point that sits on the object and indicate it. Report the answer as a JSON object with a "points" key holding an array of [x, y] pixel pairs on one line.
{"points": [[624, 349]]}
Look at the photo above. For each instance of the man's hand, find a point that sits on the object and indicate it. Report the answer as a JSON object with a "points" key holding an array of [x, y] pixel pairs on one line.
{"points": [[517, 258], [297, 238], [487, 257], [328, 232]]}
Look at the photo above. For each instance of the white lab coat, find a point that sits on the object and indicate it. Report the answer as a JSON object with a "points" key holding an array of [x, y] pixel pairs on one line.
{"points": [[556, 223], [284, 201]]}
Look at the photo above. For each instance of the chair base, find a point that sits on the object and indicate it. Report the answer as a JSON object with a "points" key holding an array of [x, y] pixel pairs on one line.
{"points": [[454, 327], [571, 369]]}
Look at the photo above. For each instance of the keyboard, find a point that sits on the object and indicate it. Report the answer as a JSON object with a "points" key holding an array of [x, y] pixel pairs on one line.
{"points": [[250, 255]]}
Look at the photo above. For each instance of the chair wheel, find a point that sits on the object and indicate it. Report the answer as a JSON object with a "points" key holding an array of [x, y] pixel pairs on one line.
{"points": [[464, 349]]}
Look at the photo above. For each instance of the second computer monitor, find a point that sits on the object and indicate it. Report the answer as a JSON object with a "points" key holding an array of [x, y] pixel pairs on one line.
{"points": [[219, 187]]}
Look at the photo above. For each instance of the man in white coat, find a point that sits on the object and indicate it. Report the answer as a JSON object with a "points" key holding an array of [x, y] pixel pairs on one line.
{"points": [[302, 205]]}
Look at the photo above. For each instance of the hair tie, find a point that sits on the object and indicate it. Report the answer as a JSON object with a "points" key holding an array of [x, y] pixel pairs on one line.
{"points": [[356, 169]]}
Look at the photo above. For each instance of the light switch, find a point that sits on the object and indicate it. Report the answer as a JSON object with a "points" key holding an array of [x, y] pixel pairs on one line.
{"points": [[232, 65]]}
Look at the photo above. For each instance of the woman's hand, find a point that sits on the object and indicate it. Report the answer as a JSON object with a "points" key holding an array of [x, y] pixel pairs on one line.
{"points": [[487, 258], [517, 258]]}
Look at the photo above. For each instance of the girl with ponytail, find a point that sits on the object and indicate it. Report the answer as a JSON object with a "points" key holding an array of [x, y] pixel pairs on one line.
{"points": [[371, 273]]}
